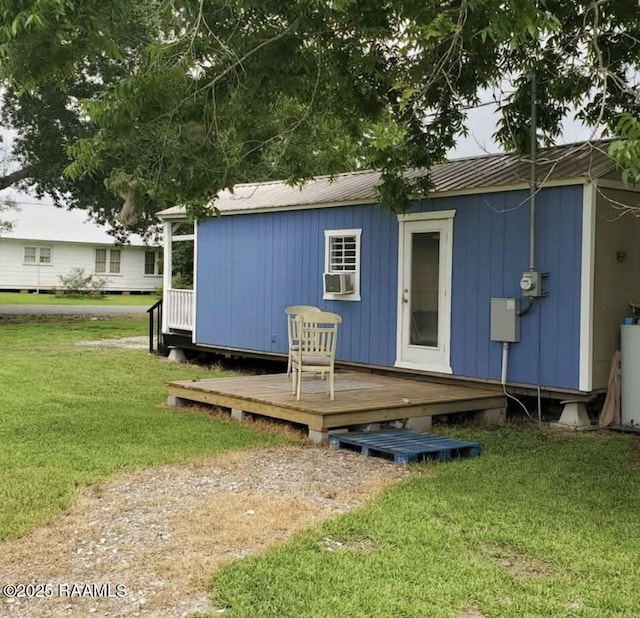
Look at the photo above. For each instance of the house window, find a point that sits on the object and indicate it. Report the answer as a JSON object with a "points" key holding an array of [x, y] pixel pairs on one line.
{"points": [[101, 260], [37, 255], [45, 255], [152, 263], [114, 261], [30, 255], [108, 261], [342, 265]]}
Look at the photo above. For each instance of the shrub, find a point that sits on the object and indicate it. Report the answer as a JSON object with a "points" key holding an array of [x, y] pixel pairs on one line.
{"points": [[182, 282], [77, 283]]}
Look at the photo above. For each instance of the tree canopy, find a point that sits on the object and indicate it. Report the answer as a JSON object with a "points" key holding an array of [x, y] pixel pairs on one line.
{"points": [[128, 107]]}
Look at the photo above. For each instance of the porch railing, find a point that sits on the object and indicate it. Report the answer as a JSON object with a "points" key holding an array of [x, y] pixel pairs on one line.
{"points": [[179, 309], [156, 342]]}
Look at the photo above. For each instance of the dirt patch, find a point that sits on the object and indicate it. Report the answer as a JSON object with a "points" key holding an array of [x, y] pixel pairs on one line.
{"points": [[123, 343], [161, 533], [521, 566], [358, 545]]}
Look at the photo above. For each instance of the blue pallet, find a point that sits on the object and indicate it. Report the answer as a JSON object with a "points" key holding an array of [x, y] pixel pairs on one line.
{"points": [[405, 446]]}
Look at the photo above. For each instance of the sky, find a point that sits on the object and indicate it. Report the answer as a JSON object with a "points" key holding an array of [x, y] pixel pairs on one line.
{"points": [[483, 122]]}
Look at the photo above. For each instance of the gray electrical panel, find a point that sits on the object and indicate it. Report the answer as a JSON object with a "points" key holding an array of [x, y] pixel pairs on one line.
{"points": [[505, 321]]}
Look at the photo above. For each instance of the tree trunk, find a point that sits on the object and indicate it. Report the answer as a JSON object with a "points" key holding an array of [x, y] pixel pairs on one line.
{"points": [[10, 179]]}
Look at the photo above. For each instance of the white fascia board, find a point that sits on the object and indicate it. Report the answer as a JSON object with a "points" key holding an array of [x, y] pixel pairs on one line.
{"points": [[587, 276]]}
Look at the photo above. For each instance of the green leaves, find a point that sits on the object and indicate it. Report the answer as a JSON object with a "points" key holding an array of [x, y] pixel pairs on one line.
{"points": [[626, 152], [186, 99], [629, 127]]}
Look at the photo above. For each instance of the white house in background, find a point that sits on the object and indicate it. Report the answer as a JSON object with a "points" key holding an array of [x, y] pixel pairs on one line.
{"points": [[46, 242]]}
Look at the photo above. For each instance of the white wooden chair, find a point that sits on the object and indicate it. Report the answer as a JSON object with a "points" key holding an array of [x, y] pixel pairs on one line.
{"points": [[316, 349], [292, 333]]}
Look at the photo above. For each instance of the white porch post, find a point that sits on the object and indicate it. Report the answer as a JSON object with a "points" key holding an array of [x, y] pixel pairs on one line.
{"points": [[168, 270]]}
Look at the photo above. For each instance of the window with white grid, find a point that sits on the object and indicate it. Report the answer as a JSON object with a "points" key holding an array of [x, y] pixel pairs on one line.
{"points": [[30, 255], [101, 261], [107, 261], [114, 261], [45, 255], [37, 255], [153, 262], [342, 255]]}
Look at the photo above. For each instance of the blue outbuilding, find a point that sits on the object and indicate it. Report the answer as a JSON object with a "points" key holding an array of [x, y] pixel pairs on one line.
{"points": [[415, 289]]}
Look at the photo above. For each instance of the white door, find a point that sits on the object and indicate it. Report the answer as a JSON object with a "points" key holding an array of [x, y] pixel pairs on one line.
{"points": [[424, 303]]}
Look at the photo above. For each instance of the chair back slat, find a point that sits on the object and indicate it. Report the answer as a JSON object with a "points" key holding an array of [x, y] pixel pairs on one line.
{"points": [[292, 327], [318, 332]]}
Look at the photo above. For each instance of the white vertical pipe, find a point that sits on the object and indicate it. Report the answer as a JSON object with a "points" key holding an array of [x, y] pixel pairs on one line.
{"points": [[168, 270], [505, 362]]}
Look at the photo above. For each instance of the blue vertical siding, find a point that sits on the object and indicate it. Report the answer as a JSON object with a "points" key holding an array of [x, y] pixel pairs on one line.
{"points": [[250, 267], [490, 252]]}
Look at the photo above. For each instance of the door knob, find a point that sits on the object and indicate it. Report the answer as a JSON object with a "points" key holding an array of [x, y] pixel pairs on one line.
{"points": [[405, 296]]}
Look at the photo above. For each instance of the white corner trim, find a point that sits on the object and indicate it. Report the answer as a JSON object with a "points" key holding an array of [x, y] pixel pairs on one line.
{"points": [[427, 216], [196, 234], [587, 274], [446, 318], [167, 251], [399, 309]]}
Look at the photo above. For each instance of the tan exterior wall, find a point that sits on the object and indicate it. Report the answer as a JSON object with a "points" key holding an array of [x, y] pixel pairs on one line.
{"points": [[616, 276]]}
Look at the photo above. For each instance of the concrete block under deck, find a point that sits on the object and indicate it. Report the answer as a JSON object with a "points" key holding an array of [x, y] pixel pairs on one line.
{"points": [[360, 398]]}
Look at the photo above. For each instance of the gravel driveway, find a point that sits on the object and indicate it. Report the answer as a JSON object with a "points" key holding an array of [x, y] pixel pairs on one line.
{"points": [[160, 533]]}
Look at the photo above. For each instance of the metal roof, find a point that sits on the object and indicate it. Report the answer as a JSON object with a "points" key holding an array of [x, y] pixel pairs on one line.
{"points": [[573, 161], [47, 223]]}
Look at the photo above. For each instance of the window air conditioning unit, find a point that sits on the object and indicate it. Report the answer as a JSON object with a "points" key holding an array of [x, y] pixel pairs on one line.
{"points": [[338, 283]]}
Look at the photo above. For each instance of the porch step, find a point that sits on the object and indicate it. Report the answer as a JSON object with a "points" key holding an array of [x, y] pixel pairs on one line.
{"points": [[405, 446]]}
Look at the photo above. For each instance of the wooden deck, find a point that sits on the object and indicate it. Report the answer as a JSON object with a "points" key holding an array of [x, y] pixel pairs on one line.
{"points": [[360, 398]]}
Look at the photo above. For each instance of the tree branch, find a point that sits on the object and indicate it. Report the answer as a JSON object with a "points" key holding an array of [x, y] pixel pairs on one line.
{"points": [[10, 179]]}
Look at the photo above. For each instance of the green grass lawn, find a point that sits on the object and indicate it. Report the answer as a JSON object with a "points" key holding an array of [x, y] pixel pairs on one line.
{"points": [[15, 298], [539, 525], [71, 416]]}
